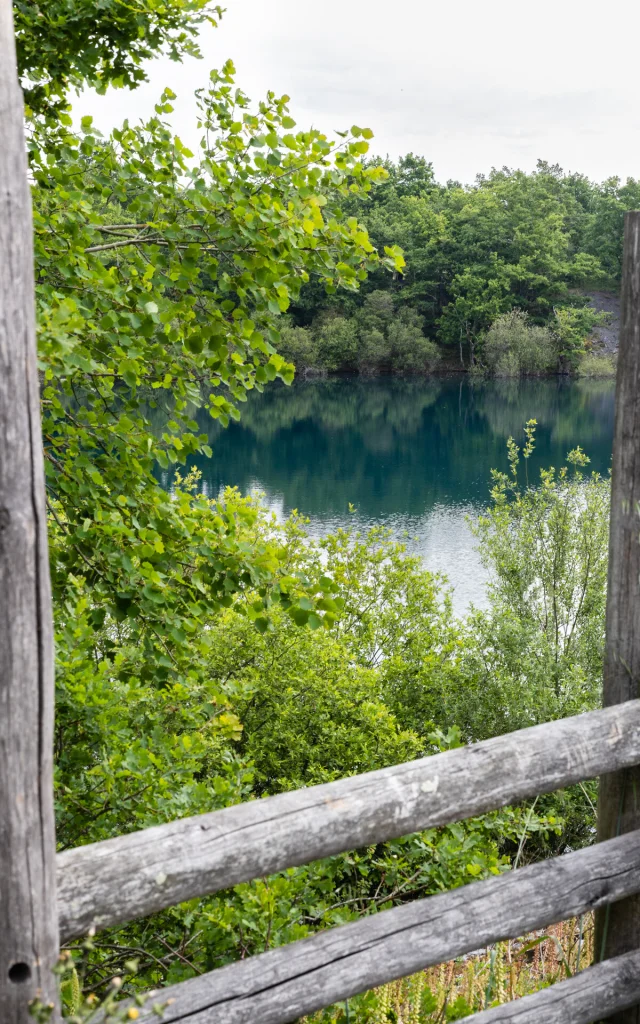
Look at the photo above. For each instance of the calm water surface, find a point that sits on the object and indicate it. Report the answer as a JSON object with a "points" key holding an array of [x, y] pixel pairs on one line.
{"points": [[414, 455]]}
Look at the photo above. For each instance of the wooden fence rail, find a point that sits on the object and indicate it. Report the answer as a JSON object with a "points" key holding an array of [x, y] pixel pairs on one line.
{"points": [[606, 988], [111, 882], [285, 983]]}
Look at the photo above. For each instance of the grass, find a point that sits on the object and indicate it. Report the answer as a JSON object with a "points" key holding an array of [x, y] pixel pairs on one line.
{"points": [[452, 991]]}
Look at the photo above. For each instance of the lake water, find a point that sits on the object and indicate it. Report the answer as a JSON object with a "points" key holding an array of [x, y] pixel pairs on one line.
{"points": [[412, 454]]}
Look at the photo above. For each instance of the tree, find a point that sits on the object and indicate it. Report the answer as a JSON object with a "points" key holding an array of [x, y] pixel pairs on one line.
{"points": [[513, 345], [573, 326], [161, 280], [64, 44], [476, 301]]}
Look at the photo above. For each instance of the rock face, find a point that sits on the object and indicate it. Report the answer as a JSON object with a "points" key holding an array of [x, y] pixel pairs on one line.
{"points": [[607, 302]]}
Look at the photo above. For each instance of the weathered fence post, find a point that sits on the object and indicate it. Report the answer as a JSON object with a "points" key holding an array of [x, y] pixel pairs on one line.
{"points": [[28, 920], [618, 927]]}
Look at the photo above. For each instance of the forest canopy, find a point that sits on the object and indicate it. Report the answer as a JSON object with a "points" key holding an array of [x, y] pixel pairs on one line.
{"points": [[538, 243]]}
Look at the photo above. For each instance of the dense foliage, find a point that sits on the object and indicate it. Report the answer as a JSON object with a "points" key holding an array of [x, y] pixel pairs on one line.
{"points": [[159, 282], [73, 43], [386, 684], [378, 336], [397, 677], [536, 243]]}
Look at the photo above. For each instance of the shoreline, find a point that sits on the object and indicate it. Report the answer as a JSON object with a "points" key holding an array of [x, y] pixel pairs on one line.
{"points": [[448, 370]]}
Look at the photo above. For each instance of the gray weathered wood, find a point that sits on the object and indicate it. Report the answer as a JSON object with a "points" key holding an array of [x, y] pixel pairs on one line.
{"points": [[286, 983], [618, 931], [28, 927], [606, 988], [117, 880]]}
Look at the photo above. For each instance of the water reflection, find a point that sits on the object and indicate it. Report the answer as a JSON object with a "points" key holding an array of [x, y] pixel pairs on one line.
{"points": [[413, 454]]}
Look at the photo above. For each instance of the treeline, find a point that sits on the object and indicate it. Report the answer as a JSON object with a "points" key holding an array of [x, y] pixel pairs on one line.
{"points": [[497, 274]]}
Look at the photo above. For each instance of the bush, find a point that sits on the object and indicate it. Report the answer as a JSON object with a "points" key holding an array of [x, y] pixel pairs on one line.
{"points": [[312, 708], [573, 328], [337, 343], [298, 346], [513, 346], [536, 653], [596, 364], [547, 547], [409, 350], [378, 310], [375, 338]]}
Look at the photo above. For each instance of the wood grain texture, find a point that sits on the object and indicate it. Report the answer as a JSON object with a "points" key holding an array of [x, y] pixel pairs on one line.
{"points": [[28, 926], [611, 986], [286, 983], [120, 879], [618, 931]]}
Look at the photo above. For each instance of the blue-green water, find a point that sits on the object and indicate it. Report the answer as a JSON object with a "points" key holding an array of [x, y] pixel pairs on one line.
{"points": [[414, 454]]}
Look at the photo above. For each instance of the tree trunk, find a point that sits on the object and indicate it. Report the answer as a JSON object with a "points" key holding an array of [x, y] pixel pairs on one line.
{"points": [[472, 347], [618, 927], [28, 921]]}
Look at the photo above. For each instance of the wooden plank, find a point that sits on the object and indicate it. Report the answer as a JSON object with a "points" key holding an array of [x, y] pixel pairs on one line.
{"points": [[115, 881], [286, 983], [618, 930], [28, 926], [604, 989]]}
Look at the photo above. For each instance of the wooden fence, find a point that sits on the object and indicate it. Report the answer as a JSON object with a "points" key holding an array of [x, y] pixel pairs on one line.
{"points": [[121, 879]]}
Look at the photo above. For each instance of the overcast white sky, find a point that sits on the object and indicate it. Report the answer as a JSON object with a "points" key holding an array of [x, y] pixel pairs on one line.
{"points": [[469, 84]]}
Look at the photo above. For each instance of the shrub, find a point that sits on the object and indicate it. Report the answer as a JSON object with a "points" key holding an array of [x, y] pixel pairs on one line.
{"points": [[373, 350], [378, 309], [298, 346], [573, 328], [409, 350], [596, 364], [337, 344], [376, 337], [513, 346]]}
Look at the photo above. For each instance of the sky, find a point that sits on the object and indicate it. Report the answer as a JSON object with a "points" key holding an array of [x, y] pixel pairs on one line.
{"points": [[467, 84]]}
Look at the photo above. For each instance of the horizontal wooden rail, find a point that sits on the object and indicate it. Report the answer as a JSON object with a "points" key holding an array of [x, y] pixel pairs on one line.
{"points": [[286, 983], [115, 881], [593, 994]]}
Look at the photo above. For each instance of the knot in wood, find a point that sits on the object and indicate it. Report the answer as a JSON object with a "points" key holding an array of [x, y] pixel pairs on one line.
{"points": [[5, 519]]}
